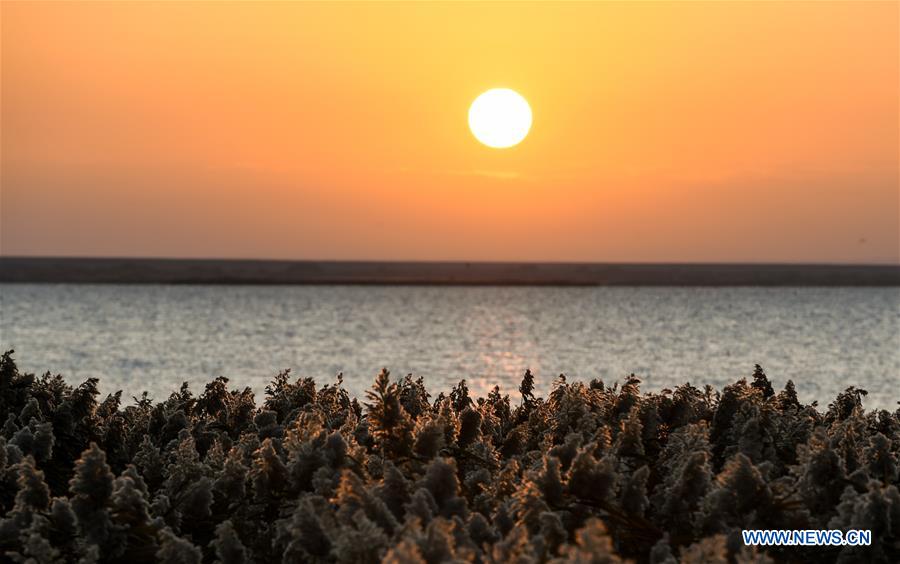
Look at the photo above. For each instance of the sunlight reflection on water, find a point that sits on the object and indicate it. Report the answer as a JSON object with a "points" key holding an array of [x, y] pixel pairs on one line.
{"points": [[154, 337]]}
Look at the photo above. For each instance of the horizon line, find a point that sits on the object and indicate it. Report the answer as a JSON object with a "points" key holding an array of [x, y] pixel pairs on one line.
{"points": [[312, 272], [169, 258]]}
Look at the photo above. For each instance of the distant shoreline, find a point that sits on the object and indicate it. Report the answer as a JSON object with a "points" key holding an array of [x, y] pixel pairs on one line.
{"points": [[282, 272]]}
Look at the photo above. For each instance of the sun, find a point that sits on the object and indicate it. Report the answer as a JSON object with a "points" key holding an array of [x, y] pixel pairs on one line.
{"points": [[500, 118]]}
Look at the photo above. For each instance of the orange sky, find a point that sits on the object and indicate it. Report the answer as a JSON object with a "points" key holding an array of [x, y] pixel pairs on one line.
{"points": [[662, 131]]}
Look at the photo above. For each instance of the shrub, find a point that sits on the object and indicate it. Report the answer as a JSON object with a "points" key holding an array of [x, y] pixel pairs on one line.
{"points": [[594, 473]]}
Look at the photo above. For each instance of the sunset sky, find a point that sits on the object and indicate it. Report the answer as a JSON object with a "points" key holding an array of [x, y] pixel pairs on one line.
{"points": [[662, 132]]}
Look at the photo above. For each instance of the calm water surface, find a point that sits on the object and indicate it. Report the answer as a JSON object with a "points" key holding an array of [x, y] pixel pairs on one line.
{"points": [[153, 338]]}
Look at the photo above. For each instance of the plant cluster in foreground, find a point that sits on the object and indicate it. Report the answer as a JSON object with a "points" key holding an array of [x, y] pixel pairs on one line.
{"points": [[591, 474]]}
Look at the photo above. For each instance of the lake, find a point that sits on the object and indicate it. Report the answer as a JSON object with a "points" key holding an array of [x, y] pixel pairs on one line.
{"points": [[153, 337]]}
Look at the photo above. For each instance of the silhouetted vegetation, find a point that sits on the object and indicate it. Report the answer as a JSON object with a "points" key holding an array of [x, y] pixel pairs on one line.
{"points": [[593, 473]]}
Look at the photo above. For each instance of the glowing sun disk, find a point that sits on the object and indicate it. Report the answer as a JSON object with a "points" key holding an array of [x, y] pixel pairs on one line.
{"points": [[500, 118]]}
